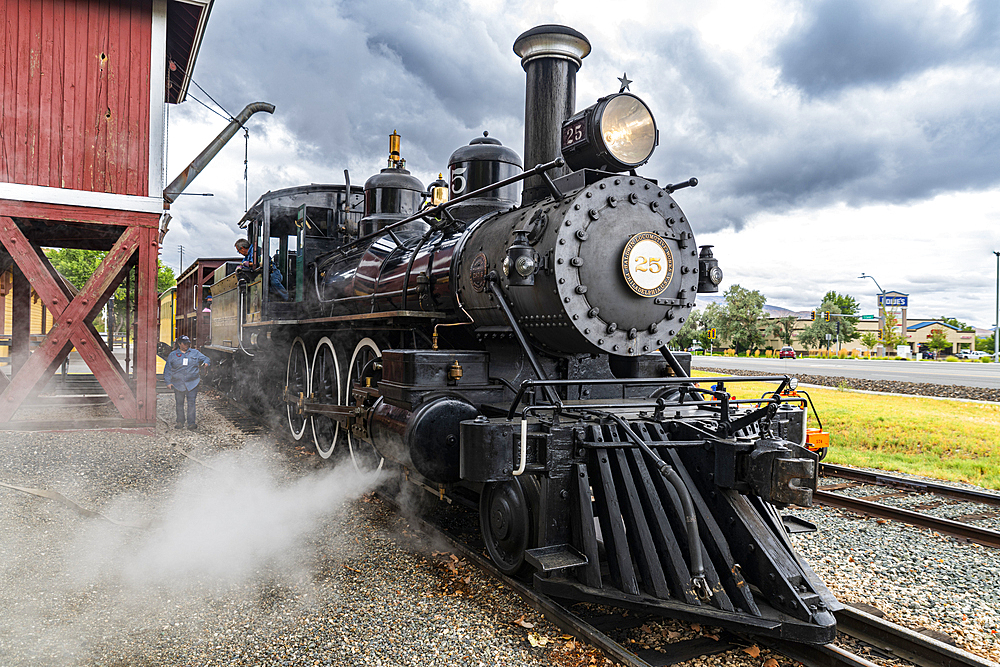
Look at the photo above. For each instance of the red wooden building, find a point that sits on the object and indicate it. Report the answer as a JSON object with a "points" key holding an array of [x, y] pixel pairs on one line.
{"points": [[82, 125]]}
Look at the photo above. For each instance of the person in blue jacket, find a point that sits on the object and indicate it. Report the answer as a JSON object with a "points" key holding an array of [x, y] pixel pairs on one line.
{"points": [[252, 261], [182, 373]]}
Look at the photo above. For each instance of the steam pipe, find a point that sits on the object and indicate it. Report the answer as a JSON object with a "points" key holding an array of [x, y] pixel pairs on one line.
{"points": [[179, 184]]}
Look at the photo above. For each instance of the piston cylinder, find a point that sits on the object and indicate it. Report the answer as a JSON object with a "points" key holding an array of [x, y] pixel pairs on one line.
{"points": [[425, 439]]}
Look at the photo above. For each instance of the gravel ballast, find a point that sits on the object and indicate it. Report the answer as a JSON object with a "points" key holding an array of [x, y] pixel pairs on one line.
{"points": [[917, 578]]}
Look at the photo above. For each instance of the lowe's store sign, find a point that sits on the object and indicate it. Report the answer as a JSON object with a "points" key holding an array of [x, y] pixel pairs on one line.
{"points": [[890, 301]]}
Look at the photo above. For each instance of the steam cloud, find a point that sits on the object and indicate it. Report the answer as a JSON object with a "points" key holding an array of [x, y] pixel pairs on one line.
{"points": [[224, 536]]}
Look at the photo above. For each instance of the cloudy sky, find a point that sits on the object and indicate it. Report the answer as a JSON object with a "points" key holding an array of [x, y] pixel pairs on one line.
{"points": [[830, 137]]}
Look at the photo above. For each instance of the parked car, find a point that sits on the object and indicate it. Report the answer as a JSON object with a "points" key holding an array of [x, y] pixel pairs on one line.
{"points": [[786, 352], [972, 354], [927, 355]]}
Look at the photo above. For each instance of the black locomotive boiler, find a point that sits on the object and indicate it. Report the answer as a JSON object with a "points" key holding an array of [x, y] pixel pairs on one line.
{"points": [[501, 338]]}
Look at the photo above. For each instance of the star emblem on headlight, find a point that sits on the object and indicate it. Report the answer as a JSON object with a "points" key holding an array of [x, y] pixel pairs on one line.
{"points": [[625, 82]]}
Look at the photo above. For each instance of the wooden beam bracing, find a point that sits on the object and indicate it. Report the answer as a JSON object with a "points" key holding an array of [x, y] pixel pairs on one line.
{"points": [[73, 315]]}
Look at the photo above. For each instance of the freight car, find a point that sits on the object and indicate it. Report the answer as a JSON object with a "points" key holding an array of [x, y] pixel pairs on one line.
{"points": [[500, 337]]}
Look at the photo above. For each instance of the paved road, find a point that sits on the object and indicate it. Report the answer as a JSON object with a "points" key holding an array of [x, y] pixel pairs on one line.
{"points": [[972, 374]]}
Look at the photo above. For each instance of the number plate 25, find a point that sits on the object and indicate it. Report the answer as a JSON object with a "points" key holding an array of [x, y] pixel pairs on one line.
{"points": [[647, 264], [574, 133]]}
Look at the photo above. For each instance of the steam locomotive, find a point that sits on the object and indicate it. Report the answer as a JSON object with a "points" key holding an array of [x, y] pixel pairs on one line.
{"points": [[501, 338]]}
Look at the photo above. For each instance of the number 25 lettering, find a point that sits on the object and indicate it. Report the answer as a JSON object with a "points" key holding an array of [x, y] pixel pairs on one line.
{"points": [[651, 264]]}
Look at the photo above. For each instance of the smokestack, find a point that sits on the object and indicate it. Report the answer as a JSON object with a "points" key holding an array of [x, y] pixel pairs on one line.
{"points": [[550, 56]]}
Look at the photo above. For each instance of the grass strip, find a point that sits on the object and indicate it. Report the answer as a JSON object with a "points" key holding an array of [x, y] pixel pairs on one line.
{"points": [[941, 439]]}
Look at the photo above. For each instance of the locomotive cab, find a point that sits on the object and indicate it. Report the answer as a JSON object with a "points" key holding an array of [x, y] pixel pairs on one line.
{"points": [[291, 228]]}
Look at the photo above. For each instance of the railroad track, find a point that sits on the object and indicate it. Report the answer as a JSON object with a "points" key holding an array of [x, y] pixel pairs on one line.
{"points": [[887, 638], [956, 527]]}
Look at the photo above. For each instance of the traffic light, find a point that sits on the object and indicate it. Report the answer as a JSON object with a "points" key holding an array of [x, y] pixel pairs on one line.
{"points": [[880, 334], [812, 316], [712, 334], [826, 315]]}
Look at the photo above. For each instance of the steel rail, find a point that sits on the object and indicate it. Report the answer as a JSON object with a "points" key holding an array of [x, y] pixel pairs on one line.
{"points": [[817, 655], [957, 529], [905, 643], [880, 479]]}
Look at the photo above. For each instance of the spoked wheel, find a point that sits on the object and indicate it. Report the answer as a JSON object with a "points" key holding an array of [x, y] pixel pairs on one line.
{"points": [[297, 382], [325, 387], [363, 371], [506, 519]]}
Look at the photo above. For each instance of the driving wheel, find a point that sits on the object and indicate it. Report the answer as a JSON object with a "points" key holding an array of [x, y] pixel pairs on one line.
{"points": [[325, 388], [297, 384], [364, 371]]}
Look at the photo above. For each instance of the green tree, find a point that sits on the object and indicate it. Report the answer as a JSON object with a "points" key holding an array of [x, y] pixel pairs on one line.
{"points": [[782, 328], [847, 303], [938, 340], [79, 265], [744, 318], [961, 326], [847, 306], [810, 337], [985, 344], [711, 318], [688, 331], [840, 328], [891, 336], [869, 339]]}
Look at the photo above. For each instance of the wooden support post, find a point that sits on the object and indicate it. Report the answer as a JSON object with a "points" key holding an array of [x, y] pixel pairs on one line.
{"points": [[128, 321], [148, 310]]}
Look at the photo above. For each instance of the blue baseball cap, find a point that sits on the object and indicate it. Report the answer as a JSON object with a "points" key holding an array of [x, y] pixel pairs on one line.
{"points": [[183, 339]]}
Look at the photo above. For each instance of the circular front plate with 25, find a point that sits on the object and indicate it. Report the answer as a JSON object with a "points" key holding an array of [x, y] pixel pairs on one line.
{"points": [[647, 264]]}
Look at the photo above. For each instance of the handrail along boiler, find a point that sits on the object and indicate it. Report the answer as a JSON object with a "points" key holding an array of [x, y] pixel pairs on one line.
{"points": [[508, 347]]}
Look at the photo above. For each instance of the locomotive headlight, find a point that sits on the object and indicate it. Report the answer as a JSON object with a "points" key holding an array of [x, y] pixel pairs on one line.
{"points": [[618, 133]]}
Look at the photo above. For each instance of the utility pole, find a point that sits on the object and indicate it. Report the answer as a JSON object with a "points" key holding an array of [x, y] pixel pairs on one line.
{"points": [[180, 262]]}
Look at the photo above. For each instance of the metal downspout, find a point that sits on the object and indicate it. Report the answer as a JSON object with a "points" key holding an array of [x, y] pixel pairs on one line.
{"points": [[179, 184]]}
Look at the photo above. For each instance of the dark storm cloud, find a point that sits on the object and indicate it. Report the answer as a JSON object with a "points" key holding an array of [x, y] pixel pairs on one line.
{"points": [[348, 74], [846, 43], [889, 141]]}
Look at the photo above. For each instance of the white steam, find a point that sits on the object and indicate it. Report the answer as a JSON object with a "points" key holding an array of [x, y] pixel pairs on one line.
{"points": [[220, 526], [235, 537]]}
